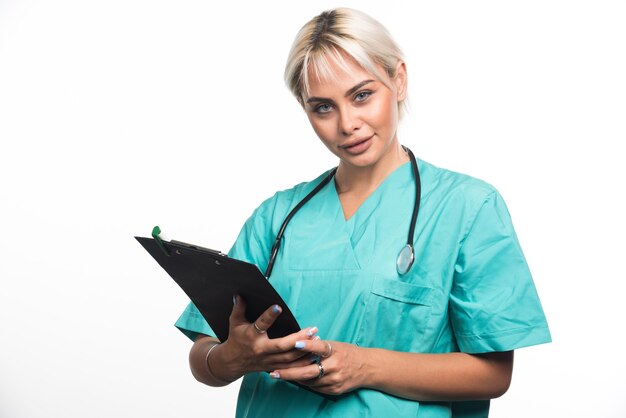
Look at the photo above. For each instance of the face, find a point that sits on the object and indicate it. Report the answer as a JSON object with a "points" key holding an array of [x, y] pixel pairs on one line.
{"points": [[355, 114]]}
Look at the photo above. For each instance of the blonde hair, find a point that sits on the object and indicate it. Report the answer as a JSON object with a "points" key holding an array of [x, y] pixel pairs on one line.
{"points": [[334, 31]]}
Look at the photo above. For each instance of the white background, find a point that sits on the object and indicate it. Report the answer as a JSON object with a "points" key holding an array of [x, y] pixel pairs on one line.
{"points": [[116, 116]]}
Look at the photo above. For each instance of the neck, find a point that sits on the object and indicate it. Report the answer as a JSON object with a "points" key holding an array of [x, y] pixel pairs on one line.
{"points": [[351, 178]]}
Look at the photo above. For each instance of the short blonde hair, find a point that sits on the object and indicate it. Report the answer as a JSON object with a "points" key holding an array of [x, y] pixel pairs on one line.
{"points": [[334, 31]]}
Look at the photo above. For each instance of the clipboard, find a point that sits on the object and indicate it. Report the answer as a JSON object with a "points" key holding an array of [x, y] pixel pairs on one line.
{"points": [[211, 279]]}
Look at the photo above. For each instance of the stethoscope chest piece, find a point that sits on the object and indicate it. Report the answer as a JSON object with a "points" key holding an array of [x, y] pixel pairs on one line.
{"points": [[405, 259]]}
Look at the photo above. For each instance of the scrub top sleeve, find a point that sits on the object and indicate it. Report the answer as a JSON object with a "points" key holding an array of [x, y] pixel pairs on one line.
{"points": [[191, 323], [248, 247], [494, 305]]}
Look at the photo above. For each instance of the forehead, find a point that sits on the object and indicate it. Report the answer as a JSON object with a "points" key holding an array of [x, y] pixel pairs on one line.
{"points": [[335, 73]]}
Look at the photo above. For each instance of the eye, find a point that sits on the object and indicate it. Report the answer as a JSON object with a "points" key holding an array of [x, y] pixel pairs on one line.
{"points": [[323, 108], [362, 95]]}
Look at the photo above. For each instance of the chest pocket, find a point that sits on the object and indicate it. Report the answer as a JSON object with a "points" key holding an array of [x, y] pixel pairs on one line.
{"points": [[396, 315]]}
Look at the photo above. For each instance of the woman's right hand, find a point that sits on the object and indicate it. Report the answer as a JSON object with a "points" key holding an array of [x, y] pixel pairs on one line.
{"points": [[249, 349]]}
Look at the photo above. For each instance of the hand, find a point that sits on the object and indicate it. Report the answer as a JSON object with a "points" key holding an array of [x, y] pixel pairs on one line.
{"points": [[248, 348], [343, 366]]}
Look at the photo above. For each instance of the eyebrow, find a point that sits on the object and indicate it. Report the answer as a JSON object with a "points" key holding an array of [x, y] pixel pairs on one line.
{"points": [[348, 93]]}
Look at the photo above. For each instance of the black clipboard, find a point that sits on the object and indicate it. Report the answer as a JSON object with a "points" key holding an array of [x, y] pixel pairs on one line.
{"points": [[211, 279]]}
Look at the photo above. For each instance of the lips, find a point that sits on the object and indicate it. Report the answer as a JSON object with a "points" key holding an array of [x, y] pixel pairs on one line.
{"points": [[356, 142], [357, 146]]}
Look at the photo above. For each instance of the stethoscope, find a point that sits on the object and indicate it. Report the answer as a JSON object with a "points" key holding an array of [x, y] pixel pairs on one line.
{"points": [[406, 257]]}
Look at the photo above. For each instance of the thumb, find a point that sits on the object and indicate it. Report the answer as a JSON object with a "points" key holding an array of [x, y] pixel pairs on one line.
{"points": [[238, 314]]}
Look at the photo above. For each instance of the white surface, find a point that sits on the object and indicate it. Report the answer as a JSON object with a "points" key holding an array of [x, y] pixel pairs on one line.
{"points": [[117, 116]]}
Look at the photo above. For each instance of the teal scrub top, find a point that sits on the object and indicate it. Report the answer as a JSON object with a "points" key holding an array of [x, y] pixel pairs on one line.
{"points": [[470, 288]]}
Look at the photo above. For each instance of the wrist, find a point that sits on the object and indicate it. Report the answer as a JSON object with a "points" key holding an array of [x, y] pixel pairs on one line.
{"points": [[369, 367], [212, 365], [222, 365]]}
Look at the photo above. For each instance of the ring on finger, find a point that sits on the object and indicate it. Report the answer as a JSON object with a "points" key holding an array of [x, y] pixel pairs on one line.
{"points": [[328, 352], [321, 367], [257, 329]]}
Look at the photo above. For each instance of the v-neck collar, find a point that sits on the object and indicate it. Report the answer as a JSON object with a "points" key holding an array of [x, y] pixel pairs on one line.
{"points": [[371, 202], [322, 233]]}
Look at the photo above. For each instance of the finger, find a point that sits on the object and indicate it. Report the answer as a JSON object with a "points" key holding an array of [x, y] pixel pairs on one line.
{"points": [[322, 348], [308, 372], [289, 359], [267, 318], [287, 343], [301, 362], [311, 333], [238, 314]]}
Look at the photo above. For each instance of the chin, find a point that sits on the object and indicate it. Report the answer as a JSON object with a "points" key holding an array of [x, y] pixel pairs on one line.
{"points": [[362, 161]]}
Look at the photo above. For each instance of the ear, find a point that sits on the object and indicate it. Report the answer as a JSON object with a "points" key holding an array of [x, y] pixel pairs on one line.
{"points": [[401, 80]]}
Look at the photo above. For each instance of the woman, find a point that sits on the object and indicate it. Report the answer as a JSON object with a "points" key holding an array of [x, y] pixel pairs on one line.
{"points": [[431, 339]]}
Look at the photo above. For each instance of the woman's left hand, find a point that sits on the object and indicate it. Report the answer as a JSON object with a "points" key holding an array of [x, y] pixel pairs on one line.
{"points": [[340, 368]]}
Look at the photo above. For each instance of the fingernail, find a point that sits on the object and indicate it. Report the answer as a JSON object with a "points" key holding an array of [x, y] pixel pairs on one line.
{"points": [[234, 299], [276, 309], [311, 332], [317, 337], [299, 344], [275, 375], [314, 358]]}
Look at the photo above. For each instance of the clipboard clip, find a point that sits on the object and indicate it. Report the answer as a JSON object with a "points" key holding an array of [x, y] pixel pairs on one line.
{"points": [[155, 234]]}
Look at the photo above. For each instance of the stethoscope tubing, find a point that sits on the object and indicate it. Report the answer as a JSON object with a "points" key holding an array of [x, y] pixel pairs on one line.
{"points": [[322, 184], [418, 195], [281, 231]]}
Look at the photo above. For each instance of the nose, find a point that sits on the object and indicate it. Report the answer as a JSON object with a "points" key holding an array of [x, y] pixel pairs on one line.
{"points": [[349, 121]]}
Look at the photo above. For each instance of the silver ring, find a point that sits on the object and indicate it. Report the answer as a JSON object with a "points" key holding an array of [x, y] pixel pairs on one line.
{"points": [[257, 329], [328, 352], [321, 370]]}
